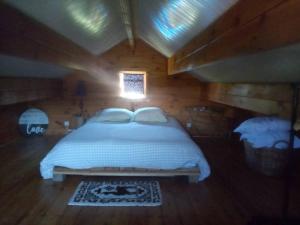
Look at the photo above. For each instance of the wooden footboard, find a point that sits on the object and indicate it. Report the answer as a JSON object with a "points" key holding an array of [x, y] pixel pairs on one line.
{"points": [[60, 172]]}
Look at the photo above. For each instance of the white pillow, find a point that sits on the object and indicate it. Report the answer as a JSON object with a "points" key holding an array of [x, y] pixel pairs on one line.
{"points": [[263, 124], [150, 115], [114, 115]]}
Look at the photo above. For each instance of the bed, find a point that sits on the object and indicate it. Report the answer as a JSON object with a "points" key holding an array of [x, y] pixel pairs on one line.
{"points": [[126, 149]]}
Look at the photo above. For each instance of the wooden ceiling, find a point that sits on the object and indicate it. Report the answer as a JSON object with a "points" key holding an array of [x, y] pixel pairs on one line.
{"points": [[98, 25], [94, 25], [21, 36], [253, 41], [26, 38]]}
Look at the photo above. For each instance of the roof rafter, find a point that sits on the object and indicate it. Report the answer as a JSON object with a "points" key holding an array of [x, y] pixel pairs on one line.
{"points": [[127, 18]]}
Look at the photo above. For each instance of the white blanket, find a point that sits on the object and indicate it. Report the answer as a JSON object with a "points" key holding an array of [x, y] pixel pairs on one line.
{"points": [[151, 146]]}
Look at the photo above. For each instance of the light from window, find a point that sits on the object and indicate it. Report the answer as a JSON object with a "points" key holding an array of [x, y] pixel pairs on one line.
{"points": [[133, 84]]}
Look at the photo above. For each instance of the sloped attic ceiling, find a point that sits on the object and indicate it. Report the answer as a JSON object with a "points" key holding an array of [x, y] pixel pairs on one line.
{"points": [[169, 25], [95, 25], [98, 25]]}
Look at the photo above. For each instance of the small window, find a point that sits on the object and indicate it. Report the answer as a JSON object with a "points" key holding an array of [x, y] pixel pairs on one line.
{"points": [[133, 84]]}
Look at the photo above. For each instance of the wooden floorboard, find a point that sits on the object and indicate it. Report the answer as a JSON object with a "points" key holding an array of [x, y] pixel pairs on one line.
{"points": [[231, 195]]}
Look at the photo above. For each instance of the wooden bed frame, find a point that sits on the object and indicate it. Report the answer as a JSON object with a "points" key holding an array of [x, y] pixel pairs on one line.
{"points": [[59, 173]]}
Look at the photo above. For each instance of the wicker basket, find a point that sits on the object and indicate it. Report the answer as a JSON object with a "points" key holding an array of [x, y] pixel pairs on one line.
{"points": [[268, 161]]}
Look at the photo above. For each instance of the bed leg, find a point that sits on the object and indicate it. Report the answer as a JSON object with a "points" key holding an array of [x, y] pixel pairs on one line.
{"points": [[193, 179], [59, 177]]}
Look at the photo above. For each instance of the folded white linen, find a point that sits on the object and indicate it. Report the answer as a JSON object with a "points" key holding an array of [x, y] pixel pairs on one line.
{"points": [[268, 139], [263, 124]]}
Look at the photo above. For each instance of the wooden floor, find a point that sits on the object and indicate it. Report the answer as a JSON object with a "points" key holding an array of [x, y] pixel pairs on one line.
{"points": [[231, 195]]}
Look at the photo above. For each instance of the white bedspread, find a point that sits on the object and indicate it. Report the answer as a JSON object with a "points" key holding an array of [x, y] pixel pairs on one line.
{"points": [[95, 144]]}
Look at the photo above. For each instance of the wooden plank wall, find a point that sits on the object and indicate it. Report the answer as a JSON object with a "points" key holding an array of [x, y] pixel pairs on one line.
{"points": [[9, 122], [269, 99], [250, 26], [17, 90], [17, 94], [172, 94]]}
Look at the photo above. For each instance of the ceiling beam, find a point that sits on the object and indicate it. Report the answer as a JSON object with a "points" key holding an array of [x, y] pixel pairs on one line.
{"points": [[23, 37], [250, 26], [127, 18]]}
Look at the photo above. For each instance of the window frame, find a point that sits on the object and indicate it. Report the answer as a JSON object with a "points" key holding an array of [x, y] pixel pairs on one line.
{"points": [[122, 86]]}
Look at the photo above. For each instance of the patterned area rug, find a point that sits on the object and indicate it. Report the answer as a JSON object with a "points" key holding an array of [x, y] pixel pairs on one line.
{"points": [[117, 193]]}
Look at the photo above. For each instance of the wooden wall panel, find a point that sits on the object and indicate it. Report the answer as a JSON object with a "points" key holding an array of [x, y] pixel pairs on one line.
{"points": [[17, 90], [269, 99], [250, 26], [241, 13], [16, 95], [9, 122], [173, 94]]}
